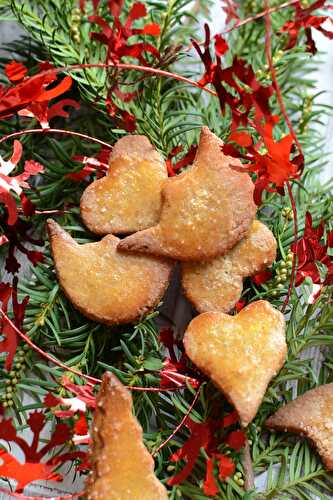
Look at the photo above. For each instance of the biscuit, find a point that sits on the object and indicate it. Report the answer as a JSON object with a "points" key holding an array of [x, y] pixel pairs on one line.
{"points": [[128, 198], [312, 415], [104, 284], [217, 285], [241, 354], [122, 468], [205, 210]]}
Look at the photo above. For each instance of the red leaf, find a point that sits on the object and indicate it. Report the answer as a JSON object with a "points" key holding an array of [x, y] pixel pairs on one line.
{"points": [[236, 440], [15, 71]]}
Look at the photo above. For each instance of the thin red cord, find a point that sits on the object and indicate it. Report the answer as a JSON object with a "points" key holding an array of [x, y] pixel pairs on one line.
{"points": [[268, 51], [269, 10], [180, 425], [91, 380], [54, 131]]}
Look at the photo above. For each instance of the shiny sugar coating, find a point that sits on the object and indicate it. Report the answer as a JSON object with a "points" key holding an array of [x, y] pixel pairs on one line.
{"points": [[217, 285], [128, 198], [105, 284], [122, 468], [241, 354], [311, 415], [205, 211]]}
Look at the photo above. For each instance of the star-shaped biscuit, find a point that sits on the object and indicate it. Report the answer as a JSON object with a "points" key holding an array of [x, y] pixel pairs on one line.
{"points": [[311, 415], [105, 284], [122, 468], [128, 198], [241, 354], [217, 285], [205, 210]]}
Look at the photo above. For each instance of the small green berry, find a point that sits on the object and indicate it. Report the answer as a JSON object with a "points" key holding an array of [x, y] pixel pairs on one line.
{"points": [[26, 347], [5, 404], [283, 276], [18, 365], [14, 381], [274, 293], [279, 285], [240, 482], [10, 403], [283, 265], [8, 382], [12, 374]]}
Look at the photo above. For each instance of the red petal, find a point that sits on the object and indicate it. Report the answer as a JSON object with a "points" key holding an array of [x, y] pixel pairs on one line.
{"points": [[59, 89], [152, 29], [230, 419], [81, 426], [236, 440], [226, 467], [261, 278], [221, 45], [50, 400], [210, 487], [17, 152], [15, 71], [137, 11]]}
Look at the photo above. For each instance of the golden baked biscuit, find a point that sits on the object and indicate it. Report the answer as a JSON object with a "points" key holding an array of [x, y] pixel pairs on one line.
{"points": [[122, 468], [128, 199], [104, 284], [310, 415], [241, 354], [205, 210], [217, 285]]}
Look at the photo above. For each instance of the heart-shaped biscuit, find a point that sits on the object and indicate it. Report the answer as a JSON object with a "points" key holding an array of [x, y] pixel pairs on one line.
{"points": [[122, 468], [205, 210], [241, 354], [128, 198], [217, 285], [104, 284], [311, 415]]}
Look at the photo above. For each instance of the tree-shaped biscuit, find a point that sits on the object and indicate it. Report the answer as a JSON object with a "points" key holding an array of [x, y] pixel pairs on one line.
{"points": [[205, 210], [312, 416], [122, 468], [217, 285], [128, 198], [241, 354], [105, 284]]}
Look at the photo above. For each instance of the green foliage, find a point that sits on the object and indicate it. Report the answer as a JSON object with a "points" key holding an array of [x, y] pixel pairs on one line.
{"points": [[170, 113]]}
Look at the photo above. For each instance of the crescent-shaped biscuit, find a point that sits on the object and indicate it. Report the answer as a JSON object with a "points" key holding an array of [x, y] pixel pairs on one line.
{"points": [[104, 284], [205, 210], [217, 285], [122, 468], [241, 354], [312, 415], [128, 198]]}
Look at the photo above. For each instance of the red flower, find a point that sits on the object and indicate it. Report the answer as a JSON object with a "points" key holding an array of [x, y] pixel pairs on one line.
{"points": [[311, 249], [304, 19], [236, 440]]}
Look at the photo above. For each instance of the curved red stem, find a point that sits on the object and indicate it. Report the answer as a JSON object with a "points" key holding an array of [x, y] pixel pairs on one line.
{"points": [[294, 136], [91, 380], [180, 425], [29, 131]]}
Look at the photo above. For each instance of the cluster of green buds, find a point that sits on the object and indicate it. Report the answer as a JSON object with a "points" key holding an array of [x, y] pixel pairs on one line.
{"points": [[283, 271], [75, 25], [238, 478], [14, 376], [287, 213]]}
